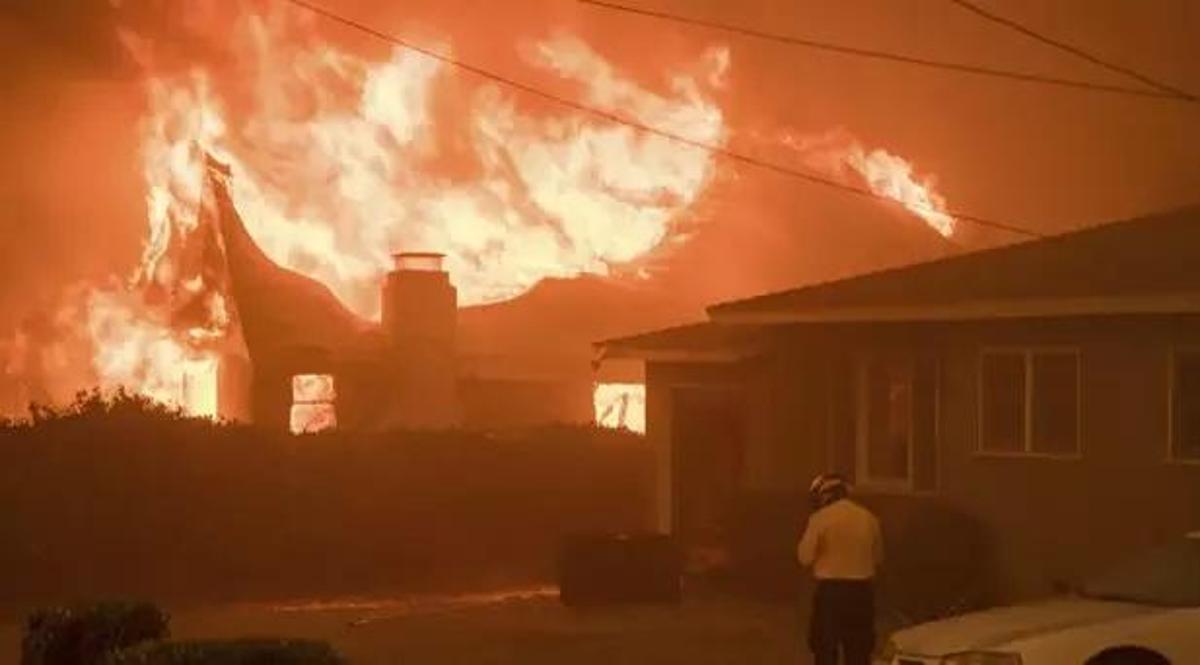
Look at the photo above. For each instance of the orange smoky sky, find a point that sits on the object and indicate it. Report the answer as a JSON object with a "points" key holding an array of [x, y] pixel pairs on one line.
{"points": [[72, 194]]}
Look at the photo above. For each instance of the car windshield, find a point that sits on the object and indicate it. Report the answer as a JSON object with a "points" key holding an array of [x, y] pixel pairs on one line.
{"points": [[1168, 576]]}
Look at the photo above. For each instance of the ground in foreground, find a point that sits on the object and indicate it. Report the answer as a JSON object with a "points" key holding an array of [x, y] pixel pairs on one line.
{"points": [[528, 627]]}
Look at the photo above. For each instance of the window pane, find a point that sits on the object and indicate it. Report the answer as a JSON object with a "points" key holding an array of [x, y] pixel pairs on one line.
{"points": [[1185, 442], [313, 398], [890, 418], [313, 388], [312, 418], [925, 382], [1003, 399], [1055, 403]]}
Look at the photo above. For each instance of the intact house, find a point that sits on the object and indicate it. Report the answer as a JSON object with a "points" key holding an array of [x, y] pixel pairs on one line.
{"points": [[1023, 414]]}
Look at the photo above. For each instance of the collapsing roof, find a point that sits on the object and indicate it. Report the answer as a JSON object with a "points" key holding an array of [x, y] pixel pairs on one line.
{"points": [[281, 311]]}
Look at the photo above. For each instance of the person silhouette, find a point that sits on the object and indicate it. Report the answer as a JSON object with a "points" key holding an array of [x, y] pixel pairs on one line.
{"points": [[843, 545]]}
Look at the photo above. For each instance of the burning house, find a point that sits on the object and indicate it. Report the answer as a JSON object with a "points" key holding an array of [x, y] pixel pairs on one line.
{"points": [[312, 364], [295, 357], [557, 227]]}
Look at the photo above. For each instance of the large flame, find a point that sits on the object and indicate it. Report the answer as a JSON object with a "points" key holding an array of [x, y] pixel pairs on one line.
{"points": [[339, 160], [114, 336], [132, 349]]}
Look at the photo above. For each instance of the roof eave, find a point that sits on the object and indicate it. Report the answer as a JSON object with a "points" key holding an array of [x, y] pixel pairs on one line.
{"points": [[731, 355], [1171, 303]]}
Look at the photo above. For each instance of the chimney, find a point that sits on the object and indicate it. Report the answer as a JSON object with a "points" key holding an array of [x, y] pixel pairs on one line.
{"points": [[420, 317], [420, 305]]}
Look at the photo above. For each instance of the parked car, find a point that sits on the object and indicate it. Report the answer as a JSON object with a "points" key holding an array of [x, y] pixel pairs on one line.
{"points": [[1143, 612]]}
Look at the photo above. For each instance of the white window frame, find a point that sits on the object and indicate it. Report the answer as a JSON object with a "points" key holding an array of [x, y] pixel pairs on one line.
{"points": [[1028, 353], [862, 471], [1172, 357]]}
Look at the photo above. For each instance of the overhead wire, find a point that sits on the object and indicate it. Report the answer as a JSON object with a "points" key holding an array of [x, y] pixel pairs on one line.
{"points": [[1073, 50], [808, 176], [1163, 93]]}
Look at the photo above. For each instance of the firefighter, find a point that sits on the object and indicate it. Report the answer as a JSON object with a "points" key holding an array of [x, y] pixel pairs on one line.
{"points": [[843, 546]]}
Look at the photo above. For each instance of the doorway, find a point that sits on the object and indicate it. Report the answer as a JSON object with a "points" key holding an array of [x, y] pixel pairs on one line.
{"points": [[709, 447]]}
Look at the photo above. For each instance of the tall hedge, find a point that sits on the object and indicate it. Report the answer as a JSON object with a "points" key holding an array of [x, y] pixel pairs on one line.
{"points": [[118, 501]]}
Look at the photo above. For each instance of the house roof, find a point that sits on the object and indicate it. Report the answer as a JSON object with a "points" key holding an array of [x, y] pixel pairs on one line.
{"points": [[1149, 264], [545, 333], [282, 312], [698, 342]]}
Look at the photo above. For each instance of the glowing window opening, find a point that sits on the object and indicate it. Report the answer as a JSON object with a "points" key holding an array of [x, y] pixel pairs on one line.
{"points": [[314, 404], [620, 406], [198, 387]]}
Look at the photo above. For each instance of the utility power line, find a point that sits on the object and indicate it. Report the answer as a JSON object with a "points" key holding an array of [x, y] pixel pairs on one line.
{"points": [[855, 51], [1074, 50], [741, 158]]}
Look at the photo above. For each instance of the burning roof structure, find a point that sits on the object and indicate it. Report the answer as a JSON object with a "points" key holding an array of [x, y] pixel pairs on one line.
{"points": [[281, 178]]}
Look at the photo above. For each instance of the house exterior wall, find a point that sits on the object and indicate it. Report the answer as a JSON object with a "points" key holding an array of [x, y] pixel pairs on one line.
{"points": [[515, 402], [789, 389], [1042, 520], [1058, 519], [360, 391]]}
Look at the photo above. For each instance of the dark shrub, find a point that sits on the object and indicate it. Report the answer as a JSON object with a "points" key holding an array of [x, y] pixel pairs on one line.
{"points": [[597, 569], [939, 560], [87, 635], [233, 652], [114, 499], [762, 543]]}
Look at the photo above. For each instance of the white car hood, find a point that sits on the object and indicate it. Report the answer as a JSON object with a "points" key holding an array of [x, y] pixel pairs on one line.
{"points": [[994, 629]]}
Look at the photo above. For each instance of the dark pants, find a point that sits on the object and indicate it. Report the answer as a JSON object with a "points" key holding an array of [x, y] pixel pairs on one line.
{"points": [[843, 620]]}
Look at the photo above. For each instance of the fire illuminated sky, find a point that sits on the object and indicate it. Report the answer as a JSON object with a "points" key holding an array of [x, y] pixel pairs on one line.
{"points": [[1074, 157], [344, 148]]}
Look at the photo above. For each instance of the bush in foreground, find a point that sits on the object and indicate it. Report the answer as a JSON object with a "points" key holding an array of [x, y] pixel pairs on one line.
{"points": [[232, 652], [89, 635]]}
